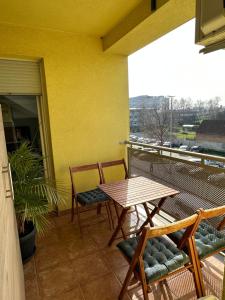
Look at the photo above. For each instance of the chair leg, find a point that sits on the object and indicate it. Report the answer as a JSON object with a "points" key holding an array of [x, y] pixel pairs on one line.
{"points": [[126, 282], [99, 208], [197, 275], [199, 266], [118, 216], [143, 280]]}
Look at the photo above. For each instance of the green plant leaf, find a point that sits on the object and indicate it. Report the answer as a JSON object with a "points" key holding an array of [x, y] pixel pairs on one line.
{"points": [[33, 193]]}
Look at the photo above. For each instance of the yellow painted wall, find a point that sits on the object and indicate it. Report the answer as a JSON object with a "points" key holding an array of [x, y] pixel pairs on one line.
{"points": [[87, 93]]}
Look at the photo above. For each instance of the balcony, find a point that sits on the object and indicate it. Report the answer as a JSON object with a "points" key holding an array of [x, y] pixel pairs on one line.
{"points": [[67, 266], [81, 51]]}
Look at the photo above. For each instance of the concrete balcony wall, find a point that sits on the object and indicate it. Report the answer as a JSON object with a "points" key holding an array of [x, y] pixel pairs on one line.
{"points": [[87, 94]]}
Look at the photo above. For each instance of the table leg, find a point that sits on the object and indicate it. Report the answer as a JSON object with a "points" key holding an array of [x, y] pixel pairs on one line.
{"points": [[121, 220], [157, 208], [148, 214], [151, 215], [118, 216]]}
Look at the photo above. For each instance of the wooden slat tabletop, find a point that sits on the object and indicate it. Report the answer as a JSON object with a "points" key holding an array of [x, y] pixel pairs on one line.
{"points": [[136, 190]]}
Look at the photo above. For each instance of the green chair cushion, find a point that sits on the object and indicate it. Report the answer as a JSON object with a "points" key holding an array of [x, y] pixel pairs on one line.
{"points": [[91, 197], [208, 239], [160, 257]]}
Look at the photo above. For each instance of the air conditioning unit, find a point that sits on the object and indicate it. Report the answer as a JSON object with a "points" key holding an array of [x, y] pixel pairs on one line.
{"points": [[210, 24]]}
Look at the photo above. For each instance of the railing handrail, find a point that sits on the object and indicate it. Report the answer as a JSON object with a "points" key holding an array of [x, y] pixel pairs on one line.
{"points": [[187, 153]]}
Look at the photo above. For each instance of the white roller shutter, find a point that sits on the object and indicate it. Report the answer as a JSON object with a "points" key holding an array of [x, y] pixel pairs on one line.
{"points": [[19, 77]]}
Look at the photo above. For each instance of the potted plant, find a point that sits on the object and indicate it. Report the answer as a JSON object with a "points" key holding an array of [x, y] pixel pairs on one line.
{"points": [[34, 195]]}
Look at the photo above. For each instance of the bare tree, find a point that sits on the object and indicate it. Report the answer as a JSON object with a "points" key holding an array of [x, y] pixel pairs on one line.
{"points": [[200, 105], [213, 106], [181, 107], [155, 123]]}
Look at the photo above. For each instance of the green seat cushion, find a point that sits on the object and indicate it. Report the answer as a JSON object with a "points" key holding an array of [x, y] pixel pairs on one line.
{"points": [[160, 257], [91, 197], [207, 238]]}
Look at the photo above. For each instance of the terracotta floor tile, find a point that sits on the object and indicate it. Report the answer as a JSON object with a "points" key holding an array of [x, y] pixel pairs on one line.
{"points": [[31, 289], [89, 267], [68, 266], [114, 258], [49, 256], [51, 237], [100, 226], [62, 220], [158, 292], [68, 232], [101, 237], [75, 294], [103, 288], [29, 269], [121, 273], [57, 280], [79, 247]]}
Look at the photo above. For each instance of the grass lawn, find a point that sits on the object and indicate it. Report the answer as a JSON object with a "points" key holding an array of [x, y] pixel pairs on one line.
{"points": [[190, 135]]}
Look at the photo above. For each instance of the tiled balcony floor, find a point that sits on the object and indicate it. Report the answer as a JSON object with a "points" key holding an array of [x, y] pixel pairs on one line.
{"points": [[68, 267]]}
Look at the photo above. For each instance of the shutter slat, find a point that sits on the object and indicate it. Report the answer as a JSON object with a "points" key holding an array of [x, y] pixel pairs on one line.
{"points": [[19, 77]]}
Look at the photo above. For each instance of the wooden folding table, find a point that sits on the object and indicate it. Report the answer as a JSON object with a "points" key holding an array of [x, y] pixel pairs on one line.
{"points": [[134, 191]]}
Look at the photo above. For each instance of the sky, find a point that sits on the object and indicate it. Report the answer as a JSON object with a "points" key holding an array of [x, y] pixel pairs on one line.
{"points": [[172, 65]]}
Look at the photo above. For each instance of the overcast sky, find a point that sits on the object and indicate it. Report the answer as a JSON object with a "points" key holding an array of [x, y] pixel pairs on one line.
{"points": [[172, 65]]}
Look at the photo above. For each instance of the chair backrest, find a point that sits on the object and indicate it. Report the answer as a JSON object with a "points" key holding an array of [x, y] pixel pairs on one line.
{"points": [[83, 168], [190, 225], [213, 213], [113, 163]]}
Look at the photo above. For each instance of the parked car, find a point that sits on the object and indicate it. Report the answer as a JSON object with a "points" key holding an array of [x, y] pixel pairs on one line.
{"points": [[152, 141], [184, 148], [167, 144], [147, 141], [196, 149], [175, 145], [195, 160], [214, 163], [150, 150], [140, 140], [157, 143], [133, 138]]}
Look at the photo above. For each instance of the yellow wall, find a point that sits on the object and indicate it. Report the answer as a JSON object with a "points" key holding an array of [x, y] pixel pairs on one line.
{"points": [[87, 93]]}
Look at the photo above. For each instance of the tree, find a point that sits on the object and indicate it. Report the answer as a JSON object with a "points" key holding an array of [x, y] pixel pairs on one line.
{"points": [[182, 108], [213, 106], [155, 122]]}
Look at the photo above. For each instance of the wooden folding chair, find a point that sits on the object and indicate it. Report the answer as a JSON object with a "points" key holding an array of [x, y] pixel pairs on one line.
{"points": [[107, 164], [153, 257], [208, 240], [88, 198]]}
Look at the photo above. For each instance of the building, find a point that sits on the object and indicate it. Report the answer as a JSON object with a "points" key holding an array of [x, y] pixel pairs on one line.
{"points": [[211, 134], [145, 101], [188, 127], [140, 104], [135, 114]]}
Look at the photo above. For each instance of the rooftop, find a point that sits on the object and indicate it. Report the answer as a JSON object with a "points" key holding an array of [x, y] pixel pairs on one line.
{"points": [[212, 127]]}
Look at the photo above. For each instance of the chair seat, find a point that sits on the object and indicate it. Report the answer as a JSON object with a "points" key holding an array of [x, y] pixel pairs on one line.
{"points": [[91, 197], [160, 257], [208, 239]]}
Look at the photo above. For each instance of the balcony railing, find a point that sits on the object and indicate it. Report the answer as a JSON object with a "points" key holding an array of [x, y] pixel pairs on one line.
{"points": [[201, 185]]}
